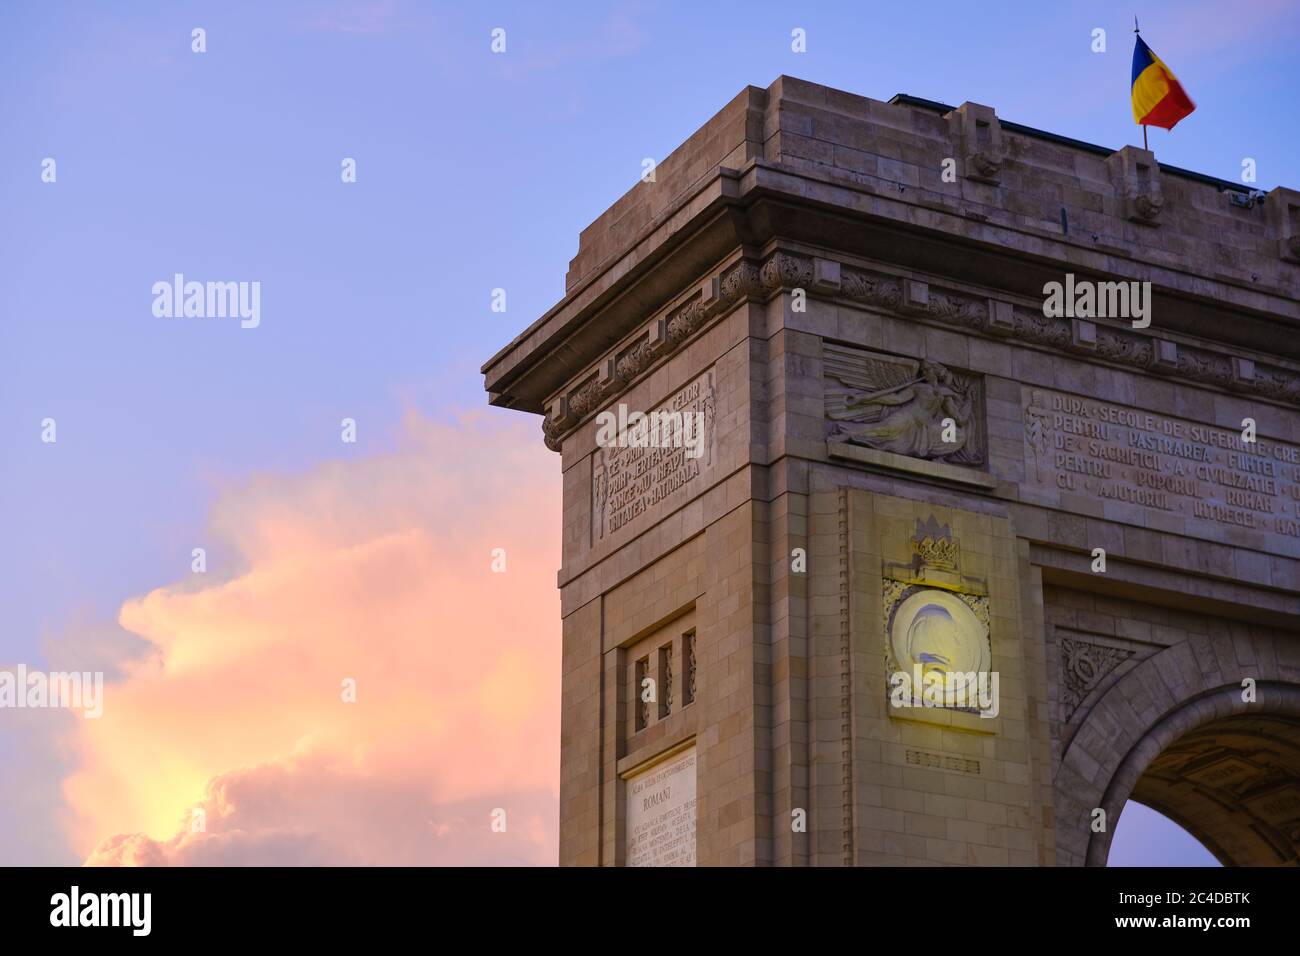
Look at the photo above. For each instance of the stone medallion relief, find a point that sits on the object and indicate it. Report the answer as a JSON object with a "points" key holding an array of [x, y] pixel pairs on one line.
{"points": [[937, 628]]}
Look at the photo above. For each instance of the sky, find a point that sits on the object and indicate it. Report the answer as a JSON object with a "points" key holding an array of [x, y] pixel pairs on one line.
{"points": [[328, 561]]}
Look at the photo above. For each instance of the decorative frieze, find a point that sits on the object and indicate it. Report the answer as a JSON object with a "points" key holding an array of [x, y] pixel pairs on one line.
{"points": [[785, 271], [874, 289], [958, 309]]}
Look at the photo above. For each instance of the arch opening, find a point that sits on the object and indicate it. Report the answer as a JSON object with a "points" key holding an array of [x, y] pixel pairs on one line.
{"points": [[1233, 783], [1145, 837]]}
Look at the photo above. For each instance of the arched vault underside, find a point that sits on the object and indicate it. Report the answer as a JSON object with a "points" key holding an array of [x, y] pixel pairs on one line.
{"points": [[1207, 732], [1234, 784]]}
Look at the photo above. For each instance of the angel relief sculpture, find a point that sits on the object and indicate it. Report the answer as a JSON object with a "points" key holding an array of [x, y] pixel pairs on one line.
{"points": [[921, 410]]}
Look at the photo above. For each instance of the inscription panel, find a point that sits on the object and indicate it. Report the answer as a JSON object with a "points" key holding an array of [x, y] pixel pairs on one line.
{"points": [[651, 455], [661, 814], [1160, 471]]}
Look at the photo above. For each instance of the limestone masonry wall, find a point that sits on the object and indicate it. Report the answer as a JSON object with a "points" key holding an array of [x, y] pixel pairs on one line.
{"points": [[892, 428]]}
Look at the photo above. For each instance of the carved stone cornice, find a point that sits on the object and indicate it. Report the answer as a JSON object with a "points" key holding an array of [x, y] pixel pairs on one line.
{"points": [[665, 335], [784, 271]]}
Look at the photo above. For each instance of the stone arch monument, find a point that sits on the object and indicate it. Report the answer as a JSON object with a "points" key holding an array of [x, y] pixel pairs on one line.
{"points": [[931, 489]]}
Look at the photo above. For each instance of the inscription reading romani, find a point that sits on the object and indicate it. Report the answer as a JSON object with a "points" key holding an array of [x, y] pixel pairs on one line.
{"points": [[1202, 473], [661, 814], [627, 479]]}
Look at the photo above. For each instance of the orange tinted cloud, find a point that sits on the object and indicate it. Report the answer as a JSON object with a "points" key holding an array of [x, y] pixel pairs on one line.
{"points": [[378, 572]]}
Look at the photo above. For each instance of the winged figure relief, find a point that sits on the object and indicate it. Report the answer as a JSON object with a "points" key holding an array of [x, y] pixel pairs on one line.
{"points": [[898, 406]]}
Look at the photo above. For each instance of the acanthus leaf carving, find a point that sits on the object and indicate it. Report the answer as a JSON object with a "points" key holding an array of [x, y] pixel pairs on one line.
{"points": [[786, 271], [740, 280], [1125, 349], [1204, 367], [1036, 327], [875, 289], [961, 310]]}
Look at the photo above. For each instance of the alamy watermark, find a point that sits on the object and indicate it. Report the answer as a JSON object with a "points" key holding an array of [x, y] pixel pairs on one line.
{"points": [[933, 687], [208, 300], [1084, 299], [76, 690], [658, 429], [133, 911]]}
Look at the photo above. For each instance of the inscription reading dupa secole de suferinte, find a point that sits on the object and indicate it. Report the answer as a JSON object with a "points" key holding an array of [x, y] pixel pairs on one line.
{"points": [[1197, 471]]}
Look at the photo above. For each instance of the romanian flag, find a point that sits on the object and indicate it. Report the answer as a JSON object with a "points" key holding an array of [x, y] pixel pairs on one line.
{"points": [[1158, 98]]}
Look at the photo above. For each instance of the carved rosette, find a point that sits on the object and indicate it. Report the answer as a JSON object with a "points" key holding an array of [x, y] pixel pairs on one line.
{"points": [[1083, 667]]}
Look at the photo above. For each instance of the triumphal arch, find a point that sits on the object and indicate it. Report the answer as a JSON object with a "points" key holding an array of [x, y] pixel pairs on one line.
{"points": [[931, 489]]}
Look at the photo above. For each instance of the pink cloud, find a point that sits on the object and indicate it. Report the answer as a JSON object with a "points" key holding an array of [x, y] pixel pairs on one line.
{"points": [[379, 572]]}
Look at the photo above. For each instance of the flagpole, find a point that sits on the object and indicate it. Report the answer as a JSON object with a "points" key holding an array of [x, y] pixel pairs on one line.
{"points": [[1144, 127]]}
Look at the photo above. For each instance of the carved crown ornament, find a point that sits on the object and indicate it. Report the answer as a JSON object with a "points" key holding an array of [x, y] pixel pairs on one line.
{"points": [[785, 271], [935, 562], [1084, 665], [934, 546]]}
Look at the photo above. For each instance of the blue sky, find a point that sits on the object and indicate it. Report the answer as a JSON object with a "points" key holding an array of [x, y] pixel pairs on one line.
{"points": [[474, 170]]}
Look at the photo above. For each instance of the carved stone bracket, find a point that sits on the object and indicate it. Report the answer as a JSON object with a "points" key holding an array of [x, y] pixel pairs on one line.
{"points": [[1136, 177], [1283, 208], [978, 136]]}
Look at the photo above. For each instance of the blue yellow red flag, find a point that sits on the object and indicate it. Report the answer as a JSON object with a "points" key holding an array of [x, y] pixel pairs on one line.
{"points": [[1158, 97]]}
